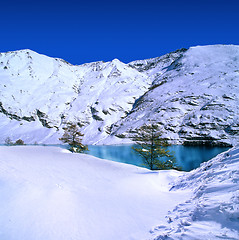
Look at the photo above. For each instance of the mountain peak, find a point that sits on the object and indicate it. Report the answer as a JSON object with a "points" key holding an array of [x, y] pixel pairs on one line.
{"points": [[116, 60], [192, 94]]}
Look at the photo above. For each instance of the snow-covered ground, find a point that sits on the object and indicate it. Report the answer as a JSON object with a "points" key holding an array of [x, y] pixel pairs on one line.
{"points": [[51, 194], [212, 212]]}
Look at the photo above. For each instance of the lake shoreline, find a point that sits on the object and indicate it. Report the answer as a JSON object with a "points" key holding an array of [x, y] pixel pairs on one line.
{"points": [[188, 157]]}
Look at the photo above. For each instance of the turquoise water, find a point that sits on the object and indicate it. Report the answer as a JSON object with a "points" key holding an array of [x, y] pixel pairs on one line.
{"points": [[187, 157]]}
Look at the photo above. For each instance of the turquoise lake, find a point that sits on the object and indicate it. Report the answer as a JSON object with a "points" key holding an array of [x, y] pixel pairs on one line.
{"points": [[187, 157]]}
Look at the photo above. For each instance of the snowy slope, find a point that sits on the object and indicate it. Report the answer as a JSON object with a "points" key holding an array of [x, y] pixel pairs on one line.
{"points": [[192, 94], [195, 100], [37, 91], [49, 193], [212, 212]]}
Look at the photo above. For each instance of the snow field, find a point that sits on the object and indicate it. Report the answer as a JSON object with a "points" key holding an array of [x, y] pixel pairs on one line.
{"points": [[51, 194]]}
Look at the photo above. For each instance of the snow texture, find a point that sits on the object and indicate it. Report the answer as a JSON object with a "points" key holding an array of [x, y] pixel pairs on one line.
{"points": [[192, 94], [212, 212], [49, 193]]}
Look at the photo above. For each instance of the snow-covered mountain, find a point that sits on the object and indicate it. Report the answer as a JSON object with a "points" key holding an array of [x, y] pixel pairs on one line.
{"points": [[195, 99], [192, 94]]}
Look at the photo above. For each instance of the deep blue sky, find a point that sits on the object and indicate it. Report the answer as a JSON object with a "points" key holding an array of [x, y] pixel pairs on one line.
{"points": [[86, 31]]}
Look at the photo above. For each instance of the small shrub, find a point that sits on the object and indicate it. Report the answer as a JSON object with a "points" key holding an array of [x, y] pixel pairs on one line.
{"points": [[19, 142], [9, 142]]}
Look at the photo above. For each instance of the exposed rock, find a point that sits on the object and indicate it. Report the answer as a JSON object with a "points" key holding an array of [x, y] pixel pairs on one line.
{"points": [[192, 94]]}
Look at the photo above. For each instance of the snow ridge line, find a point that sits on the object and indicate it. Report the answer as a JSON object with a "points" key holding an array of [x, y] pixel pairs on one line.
{"points": [[212, 212]]}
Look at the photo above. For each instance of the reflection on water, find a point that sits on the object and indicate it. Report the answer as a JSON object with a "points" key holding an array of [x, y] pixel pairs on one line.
{"points": [[187, 157]]}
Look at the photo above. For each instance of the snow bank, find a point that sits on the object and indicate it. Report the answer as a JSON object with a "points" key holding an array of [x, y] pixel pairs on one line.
{"points": [[51, 194], [213, 210]]}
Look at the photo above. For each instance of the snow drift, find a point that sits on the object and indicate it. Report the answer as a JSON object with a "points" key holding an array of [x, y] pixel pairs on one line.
{"points": [[51, 194], [212, 212]]}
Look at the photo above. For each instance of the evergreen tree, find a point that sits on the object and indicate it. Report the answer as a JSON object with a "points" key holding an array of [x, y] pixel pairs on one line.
{"points": [[19, 142], [153, 149], [73, 137]]}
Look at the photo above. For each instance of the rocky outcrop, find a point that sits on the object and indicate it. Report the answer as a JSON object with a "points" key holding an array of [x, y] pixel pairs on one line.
{"points": [[195, 100]]}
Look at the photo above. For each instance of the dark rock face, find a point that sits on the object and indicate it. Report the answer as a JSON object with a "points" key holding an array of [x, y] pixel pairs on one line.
{"points": [[15, 116]]}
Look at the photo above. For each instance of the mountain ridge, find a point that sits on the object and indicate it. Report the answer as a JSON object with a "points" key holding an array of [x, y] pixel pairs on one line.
{"points": [[39, 95]]}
